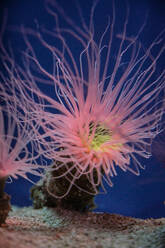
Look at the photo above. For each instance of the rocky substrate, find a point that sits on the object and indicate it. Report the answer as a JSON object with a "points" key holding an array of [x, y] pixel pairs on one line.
{"points": [[57, 228]]}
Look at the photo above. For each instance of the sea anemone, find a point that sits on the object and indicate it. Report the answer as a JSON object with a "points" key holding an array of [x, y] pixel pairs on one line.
{"points": [[17, 156], [102, 113], [20, 152]]}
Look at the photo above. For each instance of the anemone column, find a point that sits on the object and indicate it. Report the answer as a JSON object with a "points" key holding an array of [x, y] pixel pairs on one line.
{"points": [[5, 206]]}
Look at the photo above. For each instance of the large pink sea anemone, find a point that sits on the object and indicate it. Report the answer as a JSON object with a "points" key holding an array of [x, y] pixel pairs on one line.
{"points": [[102, 113]]}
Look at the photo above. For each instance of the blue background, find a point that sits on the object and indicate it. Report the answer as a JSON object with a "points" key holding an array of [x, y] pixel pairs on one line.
{"points": [[139, 196]]}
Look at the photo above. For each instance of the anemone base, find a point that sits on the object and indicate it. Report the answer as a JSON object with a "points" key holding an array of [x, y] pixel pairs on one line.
{"points": [[45, 191], [5, 207]]}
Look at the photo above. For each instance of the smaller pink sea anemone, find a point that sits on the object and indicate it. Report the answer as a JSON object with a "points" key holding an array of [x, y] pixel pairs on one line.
{"points": [[20, 151], [98, 116], [16, 141]]}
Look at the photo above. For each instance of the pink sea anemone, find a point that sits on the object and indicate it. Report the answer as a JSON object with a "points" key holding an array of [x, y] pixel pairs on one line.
{"points": [[99, 116], [20, 152]]}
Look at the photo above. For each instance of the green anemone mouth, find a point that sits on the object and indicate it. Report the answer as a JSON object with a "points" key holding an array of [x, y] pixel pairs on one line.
{"points": [[102, 135]]}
